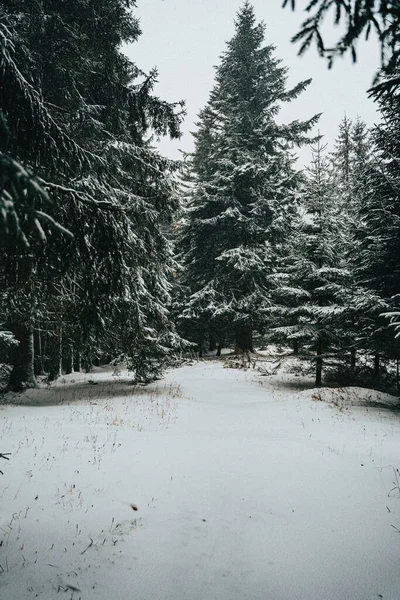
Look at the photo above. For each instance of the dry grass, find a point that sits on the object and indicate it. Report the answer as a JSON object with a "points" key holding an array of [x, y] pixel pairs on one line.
{"points": [[89, 391]]}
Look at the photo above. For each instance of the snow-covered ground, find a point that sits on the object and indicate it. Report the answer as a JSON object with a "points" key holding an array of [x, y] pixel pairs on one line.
{"points": [[246, 487]]}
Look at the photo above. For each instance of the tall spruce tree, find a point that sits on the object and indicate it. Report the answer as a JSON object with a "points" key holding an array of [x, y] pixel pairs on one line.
{"points": [[80, 114], [350, 163], [341, 159], [313, 293], [349, 160], [378, 264], [324, 302], [242, 202]]}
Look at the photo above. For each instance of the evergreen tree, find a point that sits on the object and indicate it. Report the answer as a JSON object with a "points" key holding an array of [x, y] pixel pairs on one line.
{"points": [[378, 265], [359, 17], [350, 164], [341, 175], [341, 158], [81, 115], [349, 160], [361, 156], [241, 204], [313, 293]]}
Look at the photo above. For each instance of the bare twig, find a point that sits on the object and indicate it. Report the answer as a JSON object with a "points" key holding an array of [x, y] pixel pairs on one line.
{"points": [[87, 548], [4, 455]]}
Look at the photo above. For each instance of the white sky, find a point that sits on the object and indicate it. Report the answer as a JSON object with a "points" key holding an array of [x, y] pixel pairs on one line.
{"points": [[184, 39]]}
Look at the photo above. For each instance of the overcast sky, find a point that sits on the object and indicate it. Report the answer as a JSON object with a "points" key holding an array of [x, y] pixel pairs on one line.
{"points": [[184, 39]]}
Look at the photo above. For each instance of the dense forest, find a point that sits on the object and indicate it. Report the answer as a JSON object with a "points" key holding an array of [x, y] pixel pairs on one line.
{"points": [[112, 252]]}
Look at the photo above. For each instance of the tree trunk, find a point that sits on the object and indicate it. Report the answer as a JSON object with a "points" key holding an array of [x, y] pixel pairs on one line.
{"points": [[397, 375], [243, 338], [38, 349], [60, 352], [295, 347], [69, 359], [377, 367], [212, 342], [77, 361], [200, 343], [319, 362], [353, 359], [55, 367], [219, 349], [72, 354], [23, 375]]}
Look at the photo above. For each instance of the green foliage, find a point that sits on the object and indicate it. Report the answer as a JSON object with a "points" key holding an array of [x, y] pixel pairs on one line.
{"points": [[81, 116], [378, 231], [360, 17], [243, 186], [314, 282], [18, 192], [341, 269]]}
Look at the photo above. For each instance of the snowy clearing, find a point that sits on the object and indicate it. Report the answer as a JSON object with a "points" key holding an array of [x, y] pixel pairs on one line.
{"points": [[245, 487]]}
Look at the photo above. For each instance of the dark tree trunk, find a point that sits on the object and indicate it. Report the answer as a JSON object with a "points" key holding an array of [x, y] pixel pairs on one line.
{"points": [[200, 343], [38, 349], [212, 341], [353, 359], [319, 362], [397, 375], [87, 360], [69, 359], [55, 367], [77, 361], [23, 375], [377, 367], [219, 349], [295, 347], [243, 339]]}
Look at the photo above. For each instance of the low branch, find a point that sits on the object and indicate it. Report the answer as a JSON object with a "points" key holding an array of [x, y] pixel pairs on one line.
{"points": [[83, 196]]}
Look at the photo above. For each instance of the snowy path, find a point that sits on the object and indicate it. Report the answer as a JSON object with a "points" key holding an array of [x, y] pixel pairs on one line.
{"points": [[245, 491]]}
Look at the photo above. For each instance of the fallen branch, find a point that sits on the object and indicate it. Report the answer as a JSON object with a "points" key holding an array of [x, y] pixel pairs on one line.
{"points": [[87, 548], [4, 455]]}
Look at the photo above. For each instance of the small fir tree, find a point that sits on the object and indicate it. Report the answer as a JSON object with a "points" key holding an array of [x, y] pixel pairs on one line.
{"points": [[313, 287]]}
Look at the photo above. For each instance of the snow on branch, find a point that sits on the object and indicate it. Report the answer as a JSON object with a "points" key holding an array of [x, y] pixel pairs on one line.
{"points": [[59, 148], [17, 192], [394, 317]]}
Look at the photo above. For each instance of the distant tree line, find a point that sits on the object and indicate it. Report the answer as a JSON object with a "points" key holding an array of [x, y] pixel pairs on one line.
{"points": [[310, 259], [106, 256]]}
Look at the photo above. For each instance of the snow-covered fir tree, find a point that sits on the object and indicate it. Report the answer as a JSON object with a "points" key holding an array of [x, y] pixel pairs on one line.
{"points": [[241, 206], [349, 166], [361, 156], [349, 163], [313, 284], [378, 263], [80, 114], [342, 156]]}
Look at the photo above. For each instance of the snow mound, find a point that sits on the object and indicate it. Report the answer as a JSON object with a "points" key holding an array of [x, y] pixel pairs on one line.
{"points": [[351, 396]]}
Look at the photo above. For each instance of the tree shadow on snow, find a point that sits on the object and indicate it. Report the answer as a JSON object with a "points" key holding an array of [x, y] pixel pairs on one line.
{"points": [[89, 392]]}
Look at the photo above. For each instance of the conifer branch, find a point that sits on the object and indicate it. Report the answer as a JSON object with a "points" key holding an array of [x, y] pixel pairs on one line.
{"points": [[59, 148], [82, 196]]}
